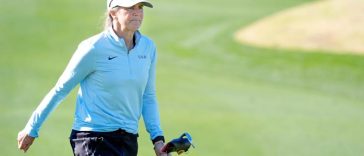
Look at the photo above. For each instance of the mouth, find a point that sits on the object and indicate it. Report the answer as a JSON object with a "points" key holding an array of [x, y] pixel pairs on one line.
{"points": [[136, 21], [132, 21]]}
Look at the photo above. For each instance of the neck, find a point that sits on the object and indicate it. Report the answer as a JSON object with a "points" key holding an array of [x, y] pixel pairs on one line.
{"points": [[127, 35]]}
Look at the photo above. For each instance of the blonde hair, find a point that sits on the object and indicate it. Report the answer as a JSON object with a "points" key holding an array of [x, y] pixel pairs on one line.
{"points": [[108, 18], [108, 21]]}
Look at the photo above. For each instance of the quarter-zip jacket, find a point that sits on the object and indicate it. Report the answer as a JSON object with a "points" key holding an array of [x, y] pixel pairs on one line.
{"points": [[117, 86]]}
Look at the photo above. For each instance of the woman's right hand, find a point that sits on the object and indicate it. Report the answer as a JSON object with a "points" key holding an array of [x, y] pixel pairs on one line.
{"points": [[24, 141]]}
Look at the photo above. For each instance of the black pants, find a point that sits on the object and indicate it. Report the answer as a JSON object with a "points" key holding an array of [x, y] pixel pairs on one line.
{"points": [[116, 143]]}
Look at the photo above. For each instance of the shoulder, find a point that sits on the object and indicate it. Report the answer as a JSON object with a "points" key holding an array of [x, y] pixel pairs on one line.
{"points": [[92, 44], [92, 41], [147, 41], [86, 48]]}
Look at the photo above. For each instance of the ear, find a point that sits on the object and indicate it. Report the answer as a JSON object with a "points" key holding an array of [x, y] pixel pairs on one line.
{"points": [[112, 13]]}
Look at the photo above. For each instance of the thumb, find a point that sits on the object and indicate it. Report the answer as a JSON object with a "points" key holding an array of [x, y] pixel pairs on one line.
{"points": [[20, 138]]}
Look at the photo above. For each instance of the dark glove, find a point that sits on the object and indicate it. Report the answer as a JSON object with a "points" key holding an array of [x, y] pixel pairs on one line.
{"points": [[179, 145]]}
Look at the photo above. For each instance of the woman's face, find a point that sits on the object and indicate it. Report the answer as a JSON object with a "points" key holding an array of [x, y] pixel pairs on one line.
{"points": [[129, 19]]}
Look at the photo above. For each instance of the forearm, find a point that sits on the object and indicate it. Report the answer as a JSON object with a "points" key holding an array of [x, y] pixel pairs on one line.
{"points": [[152, 120], [48, 104]]}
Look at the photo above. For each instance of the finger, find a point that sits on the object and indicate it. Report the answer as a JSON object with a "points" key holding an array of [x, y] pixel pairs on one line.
{"points": [[168, 154], [159, 153], [163, 154], [21, 143], [22, 147], [20, 139], [25, 143], [26, 148]]}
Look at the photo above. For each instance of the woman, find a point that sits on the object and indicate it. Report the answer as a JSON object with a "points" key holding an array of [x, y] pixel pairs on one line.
{"points": [[116, 73]]}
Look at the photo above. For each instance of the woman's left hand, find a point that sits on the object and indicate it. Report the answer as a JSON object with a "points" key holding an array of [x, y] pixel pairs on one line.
{"points": [[158, 147]]}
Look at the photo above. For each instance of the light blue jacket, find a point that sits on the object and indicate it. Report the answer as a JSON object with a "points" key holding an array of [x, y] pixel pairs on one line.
{"points": [[117, 86]]}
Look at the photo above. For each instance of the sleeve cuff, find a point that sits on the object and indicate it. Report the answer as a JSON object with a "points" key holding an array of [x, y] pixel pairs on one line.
{"points": [[158, 138], [31, 132]]}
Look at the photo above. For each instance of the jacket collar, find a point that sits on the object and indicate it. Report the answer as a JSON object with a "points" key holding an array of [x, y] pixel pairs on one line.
{"points": [[112, 35]]}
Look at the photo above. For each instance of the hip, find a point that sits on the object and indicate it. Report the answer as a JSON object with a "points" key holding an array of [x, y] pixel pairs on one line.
{"points": [[118, 143]]}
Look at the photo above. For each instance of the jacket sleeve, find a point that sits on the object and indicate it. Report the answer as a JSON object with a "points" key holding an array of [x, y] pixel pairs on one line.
{"points": [[80, 65], [150, 109]]}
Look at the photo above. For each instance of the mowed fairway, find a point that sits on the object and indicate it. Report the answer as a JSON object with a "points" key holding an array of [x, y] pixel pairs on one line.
{"points": [[234, 99]]}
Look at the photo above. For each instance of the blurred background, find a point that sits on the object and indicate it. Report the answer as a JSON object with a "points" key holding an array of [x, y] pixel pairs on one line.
{"points": [[234, 99]]}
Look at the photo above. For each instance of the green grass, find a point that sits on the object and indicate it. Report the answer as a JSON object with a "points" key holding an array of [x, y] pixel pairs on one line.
{"points": [[234, 99]]}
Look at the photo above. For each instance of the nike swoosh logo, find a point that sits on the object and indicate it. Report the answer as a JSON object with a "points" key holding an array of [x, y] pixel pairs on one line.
{"points": [[110, 58]]}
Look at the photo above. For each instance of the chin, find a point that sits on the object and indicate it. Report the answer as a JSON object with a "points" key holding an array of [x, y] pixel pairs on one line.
{"points": [[134, 28]]}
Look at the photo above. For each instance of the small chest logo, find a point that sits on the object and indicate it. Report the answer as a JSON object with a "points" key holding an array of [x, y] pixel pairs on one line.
{"points": [[142, 56], [111, 57]]}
